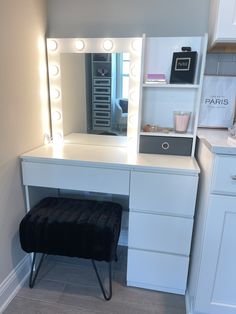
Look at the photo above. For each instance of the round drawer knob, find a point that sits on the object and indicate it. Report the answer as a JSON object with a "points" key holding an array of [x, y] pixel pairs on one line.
{"points": [[165, 145]]}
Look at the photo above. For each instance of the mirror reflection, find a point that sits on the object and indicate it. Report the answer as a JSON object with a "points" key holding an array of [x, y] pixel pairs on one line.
{"points": [[94, 90]]}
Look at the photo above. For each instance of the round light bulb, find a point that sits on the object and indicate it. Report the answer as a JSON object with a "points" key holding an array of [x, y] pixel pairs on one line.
{"points": [[135, 70], [52, 45], [55, 93], [79, 44], [58, 138], [134, 96], [53, 70], [137, 44], [56, 116], [107, 44]]}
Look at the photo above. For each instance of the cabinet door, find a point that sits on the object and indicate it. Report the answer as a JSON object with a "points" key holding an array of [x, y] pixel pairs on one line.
{"points": [[225, 26], [216, 293]]}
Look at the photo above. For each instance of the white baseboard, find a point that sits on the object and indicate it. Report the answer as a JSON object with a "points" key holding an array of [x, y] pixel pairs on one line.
{"points": [[13, 282]]}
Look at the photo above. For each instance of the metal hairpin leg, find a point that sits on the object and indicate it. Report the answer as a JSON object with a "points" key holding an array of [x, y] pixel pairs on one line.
{"points": [[33, 278], [107, 295]]}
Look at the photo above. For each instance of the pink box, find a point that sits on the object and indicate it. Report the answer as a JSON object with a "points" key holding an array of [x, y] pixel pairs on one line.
{"points": [[155, 77]]}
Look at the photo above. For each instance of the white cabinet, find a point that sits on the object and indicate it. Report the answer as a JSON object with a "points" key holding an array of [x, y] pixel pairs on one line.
{"points": [[222, 22], [160, 229], [159, 101], [212, 279]]}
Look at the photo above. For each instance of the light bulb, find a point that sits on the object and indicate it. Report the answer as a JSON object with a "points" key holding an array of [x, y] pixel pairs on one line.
{"points": [[52, 45], [107, 44], [53, 70], [137, 44], [56, 115], [79, 44], [135, 70], [55, 93]]}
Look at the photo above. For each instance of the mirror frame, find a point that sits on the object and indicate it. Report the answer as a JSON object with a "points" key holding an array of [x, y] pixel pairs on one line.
{"points": [[56, 46]]}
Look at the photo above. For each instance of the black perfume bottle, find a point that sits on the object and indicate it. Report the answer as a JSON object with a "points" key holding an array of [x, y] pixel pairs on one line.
{"points": [[183, 66]]}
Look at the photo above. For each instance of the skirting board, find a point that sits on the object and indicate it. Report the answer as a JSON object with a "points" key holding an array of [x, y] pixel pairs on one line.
{"points": [[14, 281]]}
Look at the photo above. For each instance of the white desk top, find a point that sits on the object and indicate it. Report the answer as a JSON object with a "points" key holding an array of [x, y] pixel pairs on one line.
{"points": [[217, 141], [112, 157]]}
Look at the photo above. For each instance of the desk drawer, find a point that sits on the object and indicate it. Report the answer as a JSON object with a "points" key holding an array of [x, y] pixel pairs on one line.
{"points": [[163, 272], [224, 175], [165, 233], [76, 177], [163, 193]]}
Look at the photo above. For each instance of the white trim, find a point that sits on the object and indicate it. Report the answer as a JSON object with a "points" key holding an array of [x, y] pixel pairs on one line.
{"points": [[13, 282]]}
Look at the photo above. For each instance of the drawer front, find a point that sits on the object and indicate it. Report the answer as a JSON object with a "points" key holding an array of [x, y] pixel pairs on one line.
{"points": [[102, 82], [76, 178], [165, 145], [157, 271], [163, 193], [224, 175], [165, 233], [101, 106]]}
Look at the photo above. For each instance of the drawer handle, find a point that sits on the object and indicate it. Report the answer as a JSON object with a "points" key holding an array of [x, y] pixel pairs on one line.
{"points": [[233, 177], [165, 145]]}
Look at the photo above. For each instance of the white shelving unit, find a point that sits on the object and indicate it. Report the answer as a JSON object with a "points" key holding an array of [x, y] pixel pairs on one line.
{"points": [[102, 90], [160, 100]]}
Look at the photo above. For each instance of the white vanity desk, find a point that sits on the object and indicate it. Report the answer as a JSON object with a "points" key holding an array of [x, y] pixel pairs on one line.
{"points": [[162, 193]]}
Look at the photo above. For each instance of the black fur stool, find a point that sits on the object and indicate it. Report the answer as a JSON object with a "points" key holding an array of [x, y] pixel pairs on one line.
{"points": [[71, 227]]}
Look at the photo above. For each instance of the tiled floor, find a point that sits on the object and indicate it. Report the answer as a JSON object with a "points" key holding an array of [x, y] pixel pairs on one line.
{"points": [[69, 285]]}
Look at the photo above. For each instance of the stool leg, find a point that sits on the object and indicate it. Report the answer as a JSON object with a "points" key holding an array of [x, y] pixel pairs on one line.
{"points": [[107, 296], [32, 279]]}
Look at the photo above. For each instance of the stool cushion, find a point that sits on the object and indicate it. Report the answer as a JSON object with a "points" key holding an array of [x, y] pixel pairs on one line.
{"points": [[72, 227]]}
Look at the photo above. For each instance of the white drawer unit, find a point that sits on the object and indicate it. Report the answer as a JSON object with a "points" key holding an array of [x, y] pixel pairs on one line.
{"points": [[76, 177], [224, 176], [162, 207], [157, 271], [165, 233], [163, 193]]}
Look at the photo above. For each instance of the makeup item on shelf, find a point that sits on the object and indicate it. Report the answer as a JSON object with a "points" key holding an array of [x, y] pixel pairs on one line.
{"points": [[181, 121], [152, 78]]}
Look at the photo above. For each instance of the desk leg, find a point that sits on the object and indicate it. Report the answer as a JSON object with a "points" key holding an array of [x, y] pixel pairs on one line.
{"points": [[27, 199]]}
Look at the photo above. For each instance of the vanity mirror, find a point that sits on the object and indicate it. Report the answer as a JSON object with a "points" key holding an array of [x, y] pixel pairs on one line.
{"points": [[94, 88]]}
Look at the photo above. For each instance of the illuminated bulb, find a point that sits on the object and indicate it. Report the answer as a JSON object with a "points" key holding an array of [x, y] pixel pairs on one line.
{"points": [[134, 96], [137, 44], [134, 70], [133, 120], [52, 45], [79, 44], [57, 138], [53, 70], [56, 116], [55, 93], [107, 44]]}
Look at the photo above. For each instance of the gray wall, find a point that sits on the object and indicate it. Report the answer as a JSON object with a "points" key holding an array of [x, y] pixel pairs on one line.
{"points": [[23, 113], [114, 18]]}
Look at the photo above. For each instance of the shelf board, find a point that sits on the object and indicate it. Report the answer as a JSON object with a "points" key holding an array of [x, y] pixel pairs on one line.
{"points": [[163, 85], [172, 134]]}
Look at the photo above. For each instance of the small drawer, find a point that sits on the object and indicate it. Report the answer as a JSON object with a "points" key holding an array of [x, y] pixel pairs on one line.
{"points": [[76, 177], [224, 175], [163, 193], [165, 233], [101, 123], [102, 82], [101, 114], [101, 98], [102, 90], [101, 106], [166, 145], [157, 271]]}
